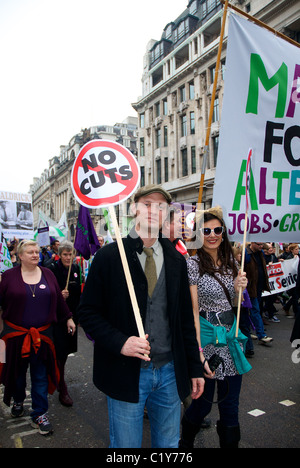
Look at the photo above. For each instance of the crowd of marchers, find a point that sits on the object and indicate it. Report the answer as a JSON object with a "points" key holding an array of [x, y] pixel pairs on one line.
{"points": [[181, 327]]}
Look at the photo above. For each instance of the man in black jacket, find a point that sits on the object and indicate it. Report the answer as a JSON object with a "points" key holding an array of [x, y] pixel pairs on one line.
{"points": [[162, 368]]}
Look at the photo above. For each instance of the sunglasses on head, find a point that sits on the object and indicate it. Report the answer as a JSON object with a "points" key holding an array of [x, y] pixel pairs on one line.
{"points": [[217, 231]]}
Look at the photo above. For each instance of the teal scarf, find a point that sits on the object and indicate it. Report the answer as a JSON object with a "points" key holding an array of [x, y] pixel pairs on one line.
{"points": [[219, 336]]}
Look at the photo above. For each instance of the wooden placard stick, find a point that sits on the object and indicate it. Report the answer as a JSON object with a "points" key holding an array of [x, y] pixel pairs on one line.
{"points": [[242, 270], [69, 272], [134, 303], [248, 176]]}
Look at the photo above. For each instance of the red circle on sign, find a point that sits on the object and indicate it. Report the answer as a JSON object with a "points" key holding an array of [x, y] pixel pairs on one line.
{"points": [[129, 185]]}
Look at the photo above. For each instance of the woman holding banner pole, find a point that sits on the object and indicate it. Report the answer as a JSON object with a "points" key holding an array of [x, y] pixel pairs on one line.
{"points": [[214, 285]]}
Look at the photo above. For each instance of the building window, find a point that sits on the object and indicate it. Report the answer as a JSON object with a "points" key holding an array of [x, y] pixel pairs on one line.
{"points": [[192, 122], [215, 149], [166, 169], [165, 136], [216, 110], [183, 126], [142, 120], [158, 138], [207, 6], [182, 94], [221, 72], [142, 147], [157, 76], [193, 159], [196, 46], [157, 109], [142, 176], [193, 7], [158, 171], [192, 90], [126, 142], [165, 106], [168, 67], [169, 32], [184, 162]]}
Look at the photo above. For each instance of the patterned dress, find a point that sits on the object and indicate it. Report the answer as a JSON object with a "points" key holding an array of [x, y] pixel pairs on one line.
{"points": [[215, 308]]}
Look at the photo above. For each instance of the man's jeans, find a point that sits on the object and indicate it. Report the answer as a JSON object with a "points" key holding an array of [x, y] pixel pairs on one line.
{"points": [[158, 393], [256, 318]]}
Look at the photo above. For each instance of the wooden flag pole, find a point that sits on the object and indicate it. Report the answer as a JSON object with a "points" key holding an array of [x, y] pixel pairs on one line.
{"points": [[262, 24], [206, 150], [135, 306], [69, 272], [248, 176], [238, 315]]}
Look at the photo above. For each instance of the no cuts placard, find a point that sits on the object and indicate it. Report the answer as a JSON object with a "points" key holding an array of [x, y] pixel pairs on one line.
{"points": [[104, 173]]}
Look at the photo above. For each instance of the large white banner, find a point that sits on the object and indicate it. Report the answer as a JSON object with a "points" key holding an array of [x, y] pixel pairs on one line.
{"points": [[261, 112]]}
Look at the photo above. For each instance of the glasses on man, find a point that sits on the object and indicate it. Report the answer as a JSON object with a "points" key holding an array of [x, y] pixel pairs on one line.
{"points": [[218, 231]]}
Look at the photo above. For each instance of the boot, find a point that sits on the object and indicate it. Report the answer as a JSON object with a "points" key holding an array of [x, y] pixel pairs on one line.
{"points": [[64, 396], [229, 436], [188, 434]]}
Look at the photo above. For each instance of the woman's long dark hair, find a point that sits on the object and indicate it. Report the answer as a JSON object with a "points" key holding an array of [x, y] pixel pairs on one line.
{"points": [[226, 261]]}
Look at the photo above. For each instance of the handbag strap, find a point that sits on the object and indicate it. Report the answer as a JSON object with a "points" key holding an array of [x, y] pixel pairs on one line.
{"points": [[223, 286], [225, 289]]}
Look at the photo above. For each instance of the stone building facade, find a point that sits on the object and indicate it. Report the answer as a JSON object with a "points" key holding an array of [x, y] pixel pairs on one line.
{"points": [[177, 79], [168, 135]]}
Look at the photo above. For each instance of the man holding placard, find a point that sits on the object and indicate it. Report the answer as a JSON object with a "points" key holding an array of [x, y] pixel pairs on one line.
{"points": [[163, 367]]}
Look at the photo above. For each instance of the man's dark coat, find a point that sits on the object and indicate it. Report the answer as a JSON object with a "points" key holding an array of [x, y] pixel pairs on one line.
{"points": [[106, 314]]}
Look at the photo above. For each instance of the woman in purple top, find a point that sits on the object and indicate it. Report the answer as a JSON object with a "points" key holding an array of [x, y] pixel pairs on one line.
{"points": [[32, 302]]}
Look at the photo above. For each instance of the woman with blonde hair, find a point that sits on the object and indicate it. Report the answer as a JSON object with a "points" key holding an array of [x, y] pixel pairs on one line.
{"points": [[32, 302]]}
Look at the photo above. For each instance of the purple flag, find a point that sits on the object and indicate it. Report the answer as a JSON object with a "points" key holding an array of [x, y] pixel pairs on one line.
{"points": [[86, 241]]}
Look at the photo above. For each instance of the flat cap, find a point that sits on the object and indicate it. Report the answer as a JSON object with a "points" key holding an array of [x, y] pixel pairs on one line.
{"points": [[152, 188]]}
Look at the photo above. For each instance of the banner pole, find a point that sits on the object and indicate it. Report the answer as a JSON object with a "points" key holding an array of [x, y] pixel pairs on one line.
{"points": [[262, 24], [206, 148], [135, 306], [242, 270], [69, 271]]}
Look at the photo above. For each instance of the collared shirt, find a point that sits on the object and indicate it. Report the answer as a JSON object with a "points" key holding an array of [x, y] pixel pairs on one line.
{"points": [[158, 256]]}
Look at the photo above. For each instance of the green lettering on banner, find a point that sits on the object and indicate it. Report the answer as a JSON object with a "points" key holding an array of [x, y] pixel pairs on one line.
{"points": [[258, 72], [280, 176], [241, 190]]}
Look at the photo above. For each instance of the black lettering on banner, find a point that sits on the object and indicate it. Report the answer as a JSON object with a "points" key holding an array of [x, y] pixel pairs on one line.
{"points": [[272, 139], [291, 132]]}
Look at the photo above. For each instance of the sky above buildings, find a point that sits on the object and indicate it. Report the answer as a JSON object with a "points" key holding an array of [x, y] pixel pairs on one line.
{"points": [[68, 65]]}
